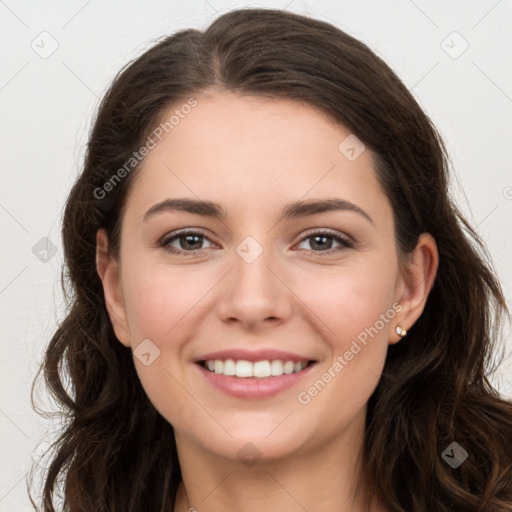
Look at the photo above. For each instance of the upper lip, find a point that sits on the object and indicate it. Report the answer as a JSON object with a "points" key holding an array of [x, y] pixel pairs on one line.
{"points": [[253, 355]]}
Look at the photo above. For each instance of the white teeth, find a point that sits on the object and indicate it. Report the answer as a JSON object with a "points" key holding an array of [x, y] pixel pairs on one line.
{"points": [[288, 367], [219, 366], [262, 368], [229, 367], [244, 369], [258, 369], [276, 368]]}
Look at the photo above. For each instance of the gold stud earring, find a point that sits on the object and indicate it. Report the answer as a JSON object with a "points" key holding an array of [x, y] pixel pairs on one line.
{"points": [[401, 332]]}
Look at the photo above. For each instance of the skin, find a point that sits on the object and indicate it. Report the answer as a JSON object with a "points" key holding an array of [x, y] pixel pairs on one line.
{"points": [[253, 155]]}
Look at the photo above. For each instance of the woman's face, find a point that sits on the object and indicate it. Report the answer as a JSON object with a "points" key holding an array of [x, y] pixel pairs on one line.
{"points": [[274, 278]]}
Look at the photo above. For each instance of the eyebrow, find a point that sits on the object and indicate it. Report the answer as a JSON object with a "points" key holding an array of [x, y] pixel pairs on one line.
{"points": [[290, 211]]}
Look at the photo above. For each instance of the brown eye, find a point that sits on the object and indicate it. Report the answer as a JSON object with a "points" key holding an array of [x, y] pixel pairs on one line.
{"points": [[189, 242], [323, 241]]}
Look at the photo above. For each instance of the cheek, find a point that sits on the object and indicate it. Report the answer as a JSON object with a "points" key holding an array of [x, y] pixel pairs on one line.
{"points": [[162, 300], [341, 303], [163, 304], [357, 310], [350, 300], [334, 306]]}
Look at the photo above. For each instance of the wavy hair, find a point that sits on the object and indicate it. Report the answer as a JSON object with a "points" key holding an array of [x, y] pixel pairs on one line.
{"points": [[434, 389]]}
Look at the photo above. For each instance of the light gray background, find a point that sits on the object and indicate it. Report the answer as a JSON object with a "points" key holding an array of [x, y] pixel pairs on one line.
{"points": [[47, 103]]}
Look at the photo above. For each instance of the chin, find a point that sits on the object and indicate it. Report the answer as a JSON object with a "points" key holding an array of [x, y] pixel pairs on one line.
{"points": [[250, 445]]}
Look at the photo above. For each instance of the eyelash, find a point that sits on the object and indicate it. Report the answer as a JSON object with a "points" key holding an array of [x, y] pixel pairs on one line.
{"points": [[345, 242]]}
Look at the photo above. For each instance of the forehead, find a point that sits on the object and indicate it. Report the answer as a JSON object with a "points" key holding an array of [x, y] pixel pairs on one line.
{"points": [[250, 151], [263, 129]]}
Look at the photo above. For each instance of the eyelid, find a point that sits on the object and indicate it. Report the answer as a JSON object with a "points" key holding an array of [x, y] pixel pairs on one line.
{"points": [[184, 232], [346, 241], [328, 231]]}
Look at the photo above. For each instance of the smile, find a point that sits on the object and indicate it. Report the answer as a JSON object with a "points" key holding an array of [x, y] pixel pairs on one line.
{"points": [[258, 369], [254, 379]]}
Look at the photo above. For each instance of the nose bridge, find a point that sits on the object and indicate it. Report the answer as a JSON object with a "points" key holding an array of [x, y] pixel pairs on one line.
{"points": [[252, 277], [253, 292]]}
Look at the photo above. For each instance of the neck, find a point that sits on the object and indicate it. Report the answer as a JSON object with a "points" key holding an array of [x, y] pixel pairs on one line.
{"points": [[319, 478]]}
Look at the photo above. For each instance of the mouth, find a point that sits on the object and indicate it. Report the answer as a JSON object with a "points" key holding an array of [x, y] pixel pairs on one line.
{"points": [[263, 369], [254, 380]]}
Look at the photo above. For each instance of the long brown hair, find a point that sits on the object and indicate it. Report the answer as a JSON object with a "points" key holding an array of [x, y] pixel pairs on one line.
{"points": [[116, 452]]}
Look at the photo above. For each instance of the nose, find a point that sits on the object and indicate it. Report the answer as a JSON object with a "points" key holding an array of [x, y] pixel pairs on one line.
{"points": [[255, 293]]}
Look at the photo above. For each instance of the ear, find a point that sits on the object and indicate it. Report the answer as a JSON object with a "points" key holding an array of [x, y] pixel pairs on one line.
{"points": [[418, 273], [109, 271]]}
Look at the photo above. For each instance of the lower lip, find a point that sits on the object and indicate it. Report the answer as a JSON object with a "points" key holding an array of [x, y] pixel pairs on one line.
{"points": [[254, 387]]}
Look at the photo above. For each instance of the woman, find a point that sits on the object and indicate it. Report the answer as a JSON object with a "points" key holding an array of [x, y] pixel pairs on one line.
{"points": [[275, 304]]}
